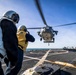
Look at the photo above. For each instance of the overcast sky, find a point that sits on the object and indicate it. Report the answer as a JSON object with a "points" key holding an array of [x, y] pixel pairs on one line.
{"points": [[56, 12]]}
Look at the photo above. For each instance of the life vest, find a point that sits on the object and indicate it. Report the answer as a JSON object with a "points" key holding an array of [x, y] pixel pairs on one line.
{"points": [[21, 35]]}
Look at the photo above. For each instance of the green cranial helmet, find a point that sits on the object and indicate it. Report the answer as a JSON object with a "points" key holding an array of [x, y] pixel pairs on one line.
{"points": [[12, 15]]}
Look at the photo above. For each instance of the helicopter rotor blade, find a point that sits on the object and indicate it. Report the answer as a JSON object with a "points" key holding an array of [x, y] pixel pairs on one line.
{"points": [[36, 28], [66, 24], [40, 11]]}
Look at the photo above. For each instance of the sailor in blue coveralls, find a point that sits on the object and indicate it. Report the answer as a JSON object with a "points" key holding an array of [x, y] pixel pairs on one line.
{"points": [[8, 40]]}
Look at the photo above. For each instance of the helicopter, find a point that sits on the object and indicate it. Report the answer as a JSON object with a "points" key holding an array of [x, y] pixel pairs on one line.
{"points": [[47, 33]]}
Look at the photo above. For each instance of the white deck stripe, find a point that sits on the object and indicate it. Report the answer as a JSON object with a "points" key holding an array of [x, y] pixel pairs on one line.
{"points": [[38, 58], [27, 72]]}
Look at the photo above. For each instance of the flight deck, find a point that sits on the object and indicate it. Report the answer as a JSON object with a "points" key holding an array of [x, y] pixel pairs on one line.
{"points": [[63, 60], [32, 57]]}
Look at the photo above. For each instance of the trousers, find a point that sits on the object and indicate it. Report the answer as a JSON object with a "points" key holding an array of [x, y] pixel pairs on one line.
{"points": [[18, 65]]}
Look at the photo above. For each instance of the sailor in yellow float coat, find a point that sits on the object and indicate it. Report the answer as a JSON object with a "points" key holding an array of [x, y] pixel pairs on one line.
{"points": [[23, 38]]}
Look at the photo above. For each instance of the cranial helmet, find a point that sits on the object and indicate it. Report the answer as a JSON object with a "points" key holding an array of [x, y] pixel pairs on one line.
{"points": [[12, 15], [23, 28]]}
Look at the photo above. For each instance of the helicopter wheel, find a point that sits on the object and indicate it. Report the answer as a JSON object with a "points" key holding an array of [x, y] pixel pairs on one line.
{"points": [[53, 39], [56, 32], [38, 33], [40, 39]]}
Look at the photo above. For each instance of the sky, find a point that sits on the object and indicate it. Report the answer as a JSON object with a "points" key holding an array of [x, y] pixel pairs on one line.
{"points": [[56, 12]]}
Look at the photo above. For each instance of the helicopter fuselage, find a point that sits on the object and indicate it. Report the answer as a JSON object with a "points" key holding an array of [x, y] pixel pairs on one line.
{"points": [[47, 35]]}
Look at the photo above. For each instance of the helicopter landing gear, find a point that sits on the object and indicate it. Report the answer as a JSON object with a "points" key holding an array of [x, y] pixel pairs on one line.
{"points": [[56, 32], [40, 39], [53, 39], [38, 33]]}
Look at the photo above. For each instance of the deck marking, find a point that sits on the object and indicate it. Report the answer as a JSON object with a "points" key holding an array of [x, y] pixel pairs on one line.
{"points": [[30, 71]]}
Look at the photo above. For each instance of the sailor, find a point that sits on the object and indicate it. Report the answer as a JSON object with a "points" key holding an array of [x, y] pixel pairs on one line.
{"points": [[8, 40], [23, 38]]}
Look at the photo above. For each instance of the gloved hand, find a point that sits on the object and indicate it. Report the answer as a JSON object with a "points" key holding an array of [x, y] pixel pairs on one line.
{"points": [[28, 32]]}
